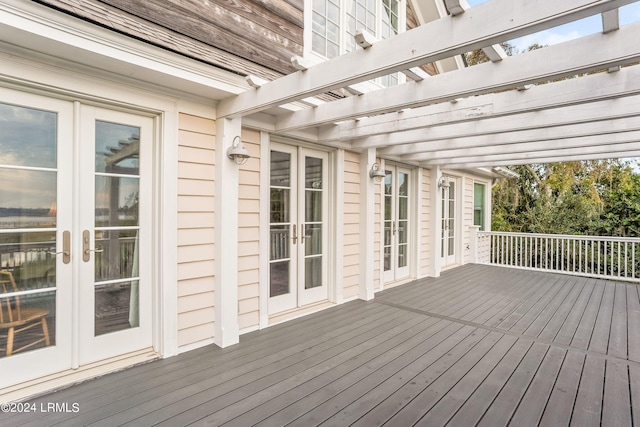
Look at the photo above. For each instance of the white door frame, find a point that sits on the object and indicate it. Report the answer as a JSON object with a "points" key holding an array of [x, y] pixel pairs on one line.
{"points": [[93, 348], [32, 364], [445, 241], [298, 296], [69, 338], [396, 273]]}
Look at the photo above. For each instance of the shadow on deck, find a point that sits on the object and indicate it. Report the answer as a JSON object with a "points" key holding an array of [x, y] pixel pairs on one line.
{"points": [[480, 345]]}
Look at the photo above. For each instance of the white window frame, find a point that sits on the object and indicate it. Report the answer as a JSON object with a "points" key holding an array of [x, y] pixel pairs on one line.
{"points": [[487, 203], [308, 29]]}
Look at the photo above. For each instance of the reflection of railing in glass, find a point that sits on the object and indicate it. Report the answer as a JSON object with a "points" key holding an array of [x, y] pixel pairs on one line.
{"points": [[279, 248], [33, 264], [116, 258]]}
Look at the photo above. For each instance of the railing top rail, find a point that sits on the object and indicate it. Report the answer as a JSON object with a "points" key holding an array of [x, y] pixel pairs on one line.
{"points": [[562, 236]]}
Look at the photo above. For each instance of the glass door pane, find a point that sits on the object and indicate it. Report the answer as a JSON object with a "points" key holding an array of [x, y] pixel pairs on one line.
{"points": [[117, 227], [28, 229], [313, 227], [403, 219], [388, 219], [280, 225]]}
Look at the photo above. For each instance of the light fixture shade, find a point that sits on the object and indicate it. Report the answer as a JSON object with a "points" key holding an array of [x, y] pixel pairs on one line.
{"points": [[376, 173], [237, 152], [443, 182]]}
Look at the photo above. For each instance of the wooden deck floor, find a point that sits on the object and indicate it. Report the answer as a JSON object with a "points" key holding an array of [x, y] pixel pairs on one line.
{"points": [[480, 345]]}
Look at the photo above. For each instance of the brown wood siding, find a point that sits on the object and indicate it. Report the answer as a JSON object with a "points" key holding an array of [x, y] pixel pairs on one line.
{"points": [[249, 235], [196, 159], [267, 32]]}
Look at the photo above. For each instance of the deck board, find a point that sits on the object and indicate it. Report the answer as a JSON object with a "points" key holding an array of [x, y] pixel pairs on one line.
{"points": [[633, 320], [560, 406], [477, 404], [616, 405], [479, 345], [535, 400], [587, 409], [572, 321]]}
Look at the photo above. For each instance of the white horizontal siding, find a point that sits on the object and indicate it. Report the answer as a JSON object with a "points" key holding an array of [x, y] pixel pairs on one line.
{"points": [[351, 228], [196, 169], [249, 235]]}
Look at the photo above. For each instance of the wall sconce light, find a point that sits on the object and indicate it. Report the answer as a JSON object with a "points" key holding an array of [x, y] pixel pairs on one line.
{"points": [[376, 173], [443, 182], [237, 152]]}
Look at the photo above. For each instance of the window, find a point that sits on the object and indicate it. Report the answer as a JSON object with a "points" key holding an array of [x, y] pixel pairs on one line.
{"points": [[478, 205], [334, 23]]}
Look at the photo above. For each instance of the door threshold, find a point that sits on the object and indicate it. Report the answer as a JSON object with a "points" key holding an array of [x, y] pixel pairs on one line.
{"points": [[390, 285], [299, 312], [449, 267], [69, 377]]}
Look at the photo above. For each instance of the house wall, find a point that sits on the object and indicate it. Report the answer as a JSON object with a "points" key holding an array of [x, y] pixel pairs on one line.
{"points": [[196, 154], [377, 245], [467, 217], [351, 242], [424, 222], [249, 235]]}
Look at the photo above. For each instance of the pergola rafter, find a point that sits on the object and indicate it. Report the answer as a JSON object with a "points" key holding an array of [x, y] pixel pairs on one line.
{"points": [[492, 23], [583, 55], [471, 164], [563, 94], [470, 117], [596, 143], [581, 135], [521, 126]]}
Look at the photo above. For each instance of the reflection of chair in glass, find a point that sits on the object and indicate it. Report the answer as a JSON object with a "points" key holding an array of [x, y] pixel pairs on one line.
{"points": [[15, 319]]}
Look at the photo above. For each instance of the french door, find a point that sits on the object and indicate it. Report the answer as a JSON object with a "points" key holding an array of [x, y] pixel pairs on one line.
{"points": [[449, 218], [297, 227], [396, 224], [74, 231]]}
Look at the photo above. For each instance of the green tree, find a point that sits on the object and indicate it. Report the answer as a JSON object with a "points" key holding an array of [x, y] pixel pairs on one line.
{"points": [[598, 197]]}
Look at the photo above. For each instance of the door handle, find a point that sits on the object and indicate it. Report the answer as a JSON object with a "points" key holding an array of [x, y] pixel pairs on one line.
{"points": [[66, 247], [295, 234], [86, 248]]}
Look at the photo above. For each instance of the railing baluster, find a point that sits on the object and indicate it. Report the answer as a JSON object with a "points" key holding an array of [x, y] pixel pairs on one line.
{"points": [[607, 257]]}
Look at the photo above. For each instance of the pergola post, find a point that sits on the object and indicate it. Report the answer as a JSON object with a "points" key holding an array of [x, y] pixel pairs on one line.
{"points": [[435, 238], [367, 224], [473, 243], [226, 236]]}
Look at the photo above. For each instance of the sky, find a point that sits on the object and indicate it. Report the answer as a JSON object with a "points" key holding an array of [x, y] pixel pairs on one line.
{"points": [[573, 30]]}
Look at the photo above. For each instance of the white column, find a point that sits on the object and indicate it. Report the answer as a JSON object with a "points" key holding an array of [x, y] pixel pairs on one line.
{"points": [[367, 224], [338, 230], [226, 236], [473, 243], [416, 222], [435, 218]]}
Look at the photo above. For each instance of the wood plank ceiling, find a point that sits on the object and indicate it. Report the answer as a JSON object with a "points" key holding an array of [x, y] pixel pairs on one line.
{"points": [[496, 113]]}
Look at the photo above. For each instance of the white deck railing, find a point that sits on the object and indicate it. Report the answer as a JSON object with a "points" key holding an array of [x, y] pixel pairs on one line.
{"points": [[593, 256]]}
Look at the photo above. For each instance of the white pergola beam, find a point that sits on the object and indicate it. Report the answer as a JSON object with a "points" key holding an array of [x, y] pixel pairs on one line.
{"points": [[541, 139], [399, 143], [586, 54], [495, 22], [603, 152], [568, 92], [590, 144], [551, 159]]}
